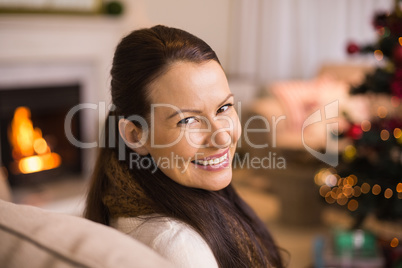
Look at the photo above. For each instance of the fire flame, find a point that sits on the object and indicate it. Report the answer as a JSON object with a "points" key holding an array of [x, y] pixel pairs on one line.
{"points": [[30, 152]]}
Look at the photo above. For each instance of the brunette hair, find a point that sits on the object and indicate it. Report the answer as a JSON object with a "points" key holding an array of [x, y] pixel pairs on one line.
{"points": [[141, 57]]}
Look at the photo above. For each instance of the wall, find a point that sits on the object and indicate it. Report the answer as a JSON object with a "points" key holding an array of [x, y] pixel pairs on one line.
{"points": [[207, 19], [50, 38], [291, 39]]}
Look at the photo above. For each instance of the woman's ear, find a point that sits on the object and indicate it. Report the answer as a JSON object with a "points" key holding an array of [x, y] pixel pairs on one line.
{"points": [[133, 136]]}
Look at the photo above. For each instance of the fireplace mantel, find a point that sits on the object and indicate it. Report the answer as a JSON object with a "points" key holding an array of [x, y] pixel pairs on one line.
{"points": [[27, 40], [55, 36]]}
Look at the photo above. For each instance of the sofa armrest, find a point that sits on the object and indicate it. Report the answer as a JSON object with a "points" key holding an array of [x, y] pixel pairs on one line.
{"points": [[31, 237]]}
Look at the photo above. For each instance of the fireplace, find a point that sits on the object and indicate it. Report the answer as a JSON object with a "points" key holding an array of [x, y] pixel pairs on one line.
{"points": [[57, 52], [34, 147]]}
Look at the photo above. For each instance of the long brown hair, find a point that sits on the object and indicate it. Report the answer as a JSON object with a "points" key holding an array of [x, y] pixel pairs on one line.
{"points": [[140, 58]]}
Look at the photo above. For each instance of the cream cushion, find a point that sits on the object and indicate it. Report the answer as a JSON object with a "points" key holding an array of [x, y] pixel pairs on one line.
{"points": [[32, 237], [5, 192]]}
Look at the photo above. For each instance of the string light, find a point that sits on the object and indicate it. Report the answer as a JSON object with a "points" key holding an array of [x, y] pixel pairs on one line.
{"points": [[397, 133], [382, 111], [376, 190], [337, 189], [348, 191], [342, 199], [394, 242], [331, 180], [350, 153], [352, 180], [353, 205], [365, 125], [329, 199], [343, 190], [324, 189], [326, 176], [399, 187], [388, 193], [365, 188], [384, 134], [357, 191], [334, 194], [378, 55]]}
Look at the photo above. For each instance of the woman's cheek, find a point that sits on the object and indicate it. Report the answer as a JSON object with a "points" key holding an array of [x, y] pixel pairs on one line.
{"points": [[237, 131], [195, 138], [163, 138]]}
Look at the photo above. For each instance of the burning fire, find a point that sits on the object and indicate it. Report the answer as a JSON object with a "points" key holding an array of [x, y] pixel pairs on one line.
{"points": [[30, 152]]}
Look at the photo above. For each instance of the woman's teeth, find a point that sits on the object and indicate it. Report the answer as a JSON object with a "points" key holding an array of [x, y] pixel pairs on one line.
{"points": [[212, 161]]}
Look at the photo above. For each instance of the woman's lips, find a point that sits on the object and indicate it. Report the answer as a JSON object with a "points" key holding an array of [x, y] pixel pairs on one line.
{"points": [[213, 162]]}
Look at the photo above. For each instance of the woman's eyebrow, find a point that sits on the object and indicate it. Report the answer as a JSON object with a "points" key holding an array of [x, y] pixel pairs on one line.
{"points": [[223, 102], [195, 111], [183, 111]]}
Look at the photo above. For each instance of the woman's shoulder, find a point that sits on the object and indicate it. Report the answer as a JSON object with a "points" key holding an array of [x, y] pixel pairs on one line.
{"points": [[173, 239]]}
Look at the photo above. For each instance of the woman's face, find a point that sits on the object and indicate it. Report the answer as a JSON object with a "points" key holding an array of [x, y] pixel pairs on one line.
{"points": [[194, 126]]}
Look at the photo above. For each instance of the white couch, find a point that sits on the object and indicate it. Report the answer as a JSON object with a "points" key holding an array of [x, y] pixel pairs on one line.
{"points": [[35, 238]]}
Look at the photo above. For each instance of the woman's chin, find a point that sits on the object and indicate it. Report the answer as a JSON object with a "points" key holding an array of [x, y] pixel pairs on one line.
{"points": [[219, 187], [202, 177], [217, 183]]}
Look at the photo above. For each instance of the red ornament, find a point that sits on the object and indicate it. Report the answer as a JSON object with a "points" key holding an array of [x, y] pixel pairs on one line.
{"points": [[352, 48], [355, 132], [397, 55]]}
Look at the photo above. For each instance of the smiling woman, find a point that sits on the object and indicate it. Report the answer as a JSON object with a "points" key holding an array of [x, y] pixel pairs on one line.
{"points": [[185, 85], [173, 191]]}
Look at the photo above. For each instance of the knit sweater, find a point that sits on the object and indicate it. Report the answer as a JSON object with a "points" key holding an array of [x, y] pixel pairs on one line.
{"points": [[173, 239]]}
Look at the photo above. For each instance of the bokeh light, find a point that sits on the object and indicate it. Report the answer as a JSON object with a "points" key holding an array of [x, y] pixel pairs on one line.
{"points": [[324, 189], [366, 125], [388, 193], [394, 242], [342, 199], [350, 153], [397, 133], [329, 199], [378, 55], [384, 134], [376, 190], [382, 111], [399, 187], [353, 205], [365, 188], [357, 191]]}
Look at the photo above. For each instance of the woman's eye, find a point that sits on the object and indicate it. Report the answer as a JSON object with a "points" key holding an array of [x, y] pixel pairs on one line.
{"points": [[224, 108], [187, 120]]}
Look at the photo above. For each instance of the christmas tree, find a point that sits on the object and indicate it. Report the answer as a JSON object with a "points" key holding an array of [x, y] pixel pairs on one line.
{"points": [[369, 178]]}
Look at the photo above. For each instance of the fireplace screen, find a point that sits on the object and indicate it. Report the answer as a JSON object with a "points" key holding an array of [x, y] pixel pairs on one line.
{"points": [[34, 148]]}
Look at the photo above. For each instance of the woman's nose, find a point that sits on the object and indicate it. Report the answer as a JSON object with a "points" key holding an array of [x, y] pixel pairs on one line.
{"points": [[221, 133]]}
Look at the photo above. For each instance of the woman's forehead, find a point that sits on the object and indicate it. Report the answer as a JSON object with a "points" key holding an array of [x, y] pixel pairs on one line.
{"points": [[188, 84]]}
